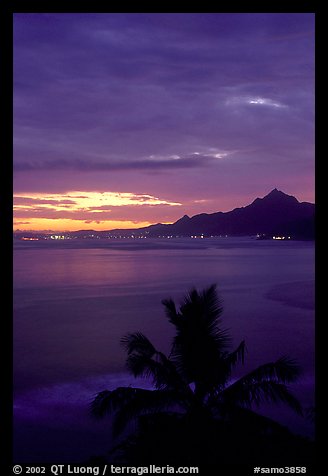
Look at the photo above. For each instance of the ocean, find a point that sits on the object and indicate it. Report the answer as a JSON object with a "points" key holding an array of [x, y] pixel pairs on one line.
{"points": [[75, 299]]}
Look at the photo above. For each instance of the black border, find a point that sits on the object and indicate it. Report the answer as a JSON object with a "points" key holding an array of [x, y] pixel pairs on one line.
{"points": [[7, 10], [6, 82]]}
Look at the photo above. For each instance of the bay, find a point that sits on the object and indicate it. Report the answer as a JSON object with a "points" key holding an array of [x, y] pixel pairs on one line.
{"points": [[74, 300]]}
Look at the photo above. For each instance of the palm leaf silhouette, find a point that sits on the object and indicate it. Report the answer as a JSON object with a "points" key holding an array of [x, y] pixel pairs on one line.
{"points": [[196, 377], [128, 403]]}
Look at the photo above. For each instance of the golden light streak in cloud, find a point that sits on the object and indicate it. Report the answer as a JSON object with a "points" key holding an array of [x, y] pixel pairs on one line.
{"points": [[79, 201], [83, 200]]}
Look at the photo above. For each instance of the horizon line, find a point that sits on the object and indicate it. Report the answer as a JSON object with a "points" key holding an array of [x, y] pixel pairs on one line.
{"points": [[138, 227]]}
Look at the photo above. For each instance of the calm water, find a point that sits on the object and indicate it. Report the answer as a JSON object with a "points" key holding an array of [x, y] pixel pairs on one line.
{"points": [[73, 301]]}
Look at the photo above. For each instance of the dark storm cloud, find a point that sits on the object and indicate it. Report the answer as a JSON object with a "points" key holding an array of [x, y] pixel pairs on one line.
{"points": [[196, 160]]}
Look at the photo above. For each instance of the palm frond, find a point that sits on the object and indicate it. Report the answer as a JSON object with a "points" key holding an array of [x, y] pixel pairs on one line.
{"points": [[256, 393], [212, 304], [197, 354], [171, 311], [200, 341], [138, 342], [206, 304], [159, 368], [141, 353], [145, 361], [127, 403], [166, 376], [266, 383], [101, 404], [145, 403], [221, 367], [201, 312], [109, 401], [284, 370], [237, 356]]}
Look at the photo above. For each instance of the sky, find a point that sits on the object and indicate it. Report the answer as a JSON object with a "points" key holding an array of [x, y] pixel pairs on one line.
{"points": [[124, 120]]}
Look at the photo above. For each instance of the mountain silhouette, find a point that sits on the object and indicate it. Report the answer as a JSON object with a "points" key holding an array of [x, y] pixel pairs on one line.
{"points": [[276, 213]]}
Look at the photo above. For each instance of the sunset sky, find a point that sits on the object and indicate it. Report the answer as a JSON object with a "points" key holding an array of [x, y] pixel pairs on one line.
{"points": [[123, 120]]}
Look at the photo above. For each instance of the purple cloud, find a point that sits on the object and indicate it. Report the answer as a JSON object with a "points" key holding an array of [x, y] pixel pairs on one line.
{"points": [[106, 101], [83, 165]]}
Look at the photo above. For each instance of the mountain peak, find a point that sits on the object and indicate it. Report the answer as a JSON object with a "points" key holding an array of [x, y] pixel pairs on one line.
{"points": [[275, 192], [184, 219], [277, 196]]}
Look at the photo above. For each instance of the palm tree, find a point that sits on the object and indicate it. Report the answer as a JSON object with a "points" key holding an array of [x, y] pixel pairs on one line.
{"points": [[195, 379]]}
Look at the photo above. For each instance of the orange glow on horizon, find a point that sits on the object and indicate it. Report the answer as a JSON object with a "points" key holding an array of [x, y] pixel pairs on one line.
{"points": [[80, 210], [65, 225]]}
